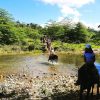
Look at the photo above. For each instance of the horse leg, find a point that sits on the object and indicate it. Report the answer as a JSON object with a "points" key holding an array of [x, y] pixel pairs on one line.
{"points": [[92, 90], [52, 61], [81, 92], [88, 91], [56, 60], [97, 90]]}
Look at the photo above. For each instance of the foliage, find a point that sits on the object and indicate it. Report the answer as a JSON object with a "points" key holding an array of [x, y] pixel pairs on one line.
{"points": [[28, 35]]}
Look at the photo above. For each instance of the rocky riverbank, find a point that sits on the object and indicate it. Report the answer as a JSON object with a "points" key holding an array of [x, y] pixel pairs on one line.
{"points": [[47, 87]]}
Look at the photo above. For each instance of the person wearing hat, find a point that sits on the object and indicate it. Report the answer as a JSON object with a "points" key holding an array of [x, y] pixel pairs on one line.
{"points": [[89, 56], [89, 59]]}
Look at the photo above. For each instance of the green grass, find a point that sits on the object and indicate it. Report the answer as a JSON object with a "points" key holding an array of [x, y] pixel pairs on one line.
{"points": [[62, 48], [14, 49], [74, 48]]}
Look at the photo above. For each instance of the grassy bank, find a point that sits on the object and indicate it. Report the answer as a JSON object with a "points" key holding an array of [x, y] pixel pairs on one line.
{"points": [[14, 49], [60, 48], [74, 48]]}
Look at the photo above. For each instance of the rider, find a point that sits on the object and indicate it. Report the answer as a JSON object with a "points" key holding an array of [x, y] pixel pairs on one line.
{"points": [[89, 59], [48, 44]]}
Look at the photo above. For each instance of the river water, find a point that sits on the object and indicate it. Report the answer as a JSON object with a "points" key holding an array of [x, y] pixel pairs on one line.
{"points": [[37, 65]]}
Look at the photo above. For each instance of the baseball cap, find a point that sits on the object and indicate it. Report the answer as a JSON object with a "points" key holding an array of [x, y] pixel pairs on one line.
{"points": [[88, 46]]}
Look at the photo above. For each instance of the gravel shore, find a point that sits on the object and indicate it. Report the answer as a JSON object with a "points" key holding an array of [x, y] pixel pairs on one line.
{"points": [[47, 87]]}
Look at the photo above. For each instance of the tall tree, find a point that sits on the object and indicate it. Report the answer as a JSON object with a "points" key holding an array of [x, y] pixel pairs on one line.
{"points": [[6, 23]]}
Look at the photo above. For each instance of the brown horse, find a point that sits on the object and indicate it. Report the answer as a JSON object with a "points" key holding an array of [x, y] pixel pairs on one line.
{"points": [[88, 76]]}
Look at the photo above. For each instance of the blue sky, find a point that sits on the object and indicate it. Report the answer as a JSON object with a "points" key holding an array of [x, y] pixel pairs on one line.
{"points": [[41, 11]]}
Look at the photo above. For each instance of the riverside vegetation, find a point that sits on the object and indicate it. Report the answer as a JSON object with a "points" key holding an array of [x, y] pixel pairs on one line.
{"points": [[16, 36]]}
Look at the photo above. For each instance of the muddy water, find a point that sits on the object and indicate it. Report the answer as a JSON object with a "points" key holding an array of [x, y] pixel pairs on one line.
{"points": [[37, 65]]}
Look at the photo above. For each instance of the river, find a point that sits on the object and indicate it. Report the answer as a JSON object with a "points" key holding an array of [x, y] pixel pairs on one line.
{"points": [[38, 64]]}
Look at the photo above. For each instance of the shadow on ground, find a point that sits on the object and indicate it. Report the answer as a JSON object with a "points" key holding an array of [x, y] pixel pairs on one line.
{"points": [[57, 96], [71, 96]]}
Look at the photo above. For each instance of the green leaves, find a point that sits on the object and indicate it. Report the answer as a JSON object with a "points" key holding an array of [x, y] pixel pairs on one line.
{"points": [[26, 34]]}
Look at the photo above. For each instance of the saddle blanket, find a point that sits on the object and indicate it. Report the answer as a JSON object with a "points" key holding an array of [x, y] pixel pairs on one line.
{"points": [[97, 66]]}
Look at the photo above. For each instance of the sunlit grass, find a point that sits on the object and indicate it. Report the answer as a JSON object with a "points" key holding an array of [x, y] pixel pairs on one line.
{"points": [[73, 48], [61, 47]]}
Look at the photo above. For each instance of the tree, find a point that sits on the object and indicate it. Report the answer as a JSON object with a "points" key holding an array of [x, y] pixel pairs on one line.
{"points": [[7, 36], [81, 33], [5, 17]]}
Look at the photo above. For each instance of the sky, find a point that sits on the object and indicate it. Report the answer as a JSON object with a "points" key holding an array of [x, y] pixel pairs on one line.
{"points": [[42, 11]]}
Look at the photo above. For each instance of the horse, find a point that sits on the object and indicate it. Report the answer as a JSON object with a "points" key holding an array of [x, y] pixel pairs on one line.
{"points": [[88, 76], [53, 57]]}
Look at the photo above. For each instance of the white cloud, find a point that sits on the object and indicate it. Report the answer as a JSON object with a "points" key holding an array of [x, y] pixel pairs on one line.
{"points": [[66, 10], [68, 6], [68, 2]]}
